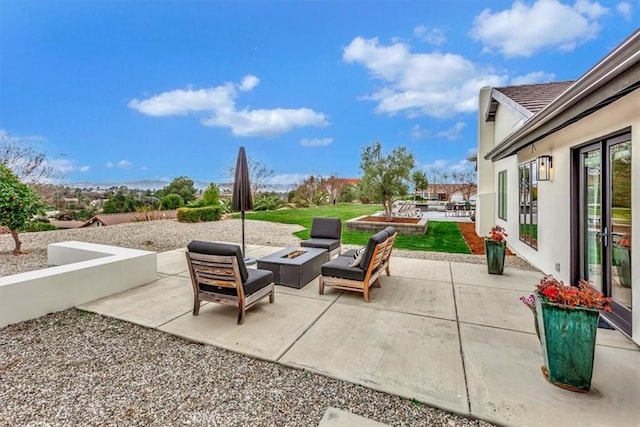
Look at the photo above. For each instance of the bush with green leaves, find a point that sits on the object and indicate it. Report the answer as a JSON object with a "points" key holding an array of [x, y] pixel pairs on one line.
{"points": [[171, 201], [226, 205], [18, 204], [211, 195], [35, 226], [267, 202], [206, 213]]}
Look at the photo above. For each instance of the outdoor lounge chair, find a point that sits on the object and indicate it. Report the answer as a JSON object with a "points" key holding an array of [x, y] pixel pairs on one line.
{"points": [[218, 274], [338, 274], [326, 233]]}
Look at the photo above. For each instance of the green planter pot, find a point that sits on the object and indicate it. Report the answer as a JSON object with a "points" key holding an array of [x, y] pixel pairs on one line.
{"points": [[568, 339], [622, 261], [495, 252]]}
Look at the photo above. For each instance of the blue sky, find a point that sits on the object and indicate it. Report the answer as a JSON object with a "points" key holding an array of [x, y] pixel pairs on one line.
{"points": [[131, 90]]}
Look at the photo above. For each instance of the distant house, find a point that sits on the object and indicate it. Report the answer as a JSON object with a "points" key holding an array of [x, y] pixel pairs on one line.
{"points": [[556, 169], [450, 192], [101, 220]]}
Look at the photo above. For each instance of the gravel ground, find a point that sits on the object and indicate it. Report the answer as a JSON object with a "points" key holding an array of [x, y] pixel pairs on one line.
{"points": [[78, 368]]}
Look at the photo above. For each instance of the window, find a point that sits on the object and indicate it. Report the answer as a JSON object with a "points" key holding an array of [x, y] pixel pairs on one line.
{"points": [[502, 195], [528, 204]]}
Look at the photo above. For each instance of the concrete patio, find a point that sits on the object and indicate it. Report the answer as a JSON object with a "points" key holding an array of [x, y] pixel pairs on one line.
{"points": [[443, 333]]}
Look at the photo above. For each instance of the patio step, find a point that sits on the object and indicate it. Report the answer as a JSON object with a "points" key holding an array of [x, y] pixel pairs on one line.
{"points": [[335, 417]]}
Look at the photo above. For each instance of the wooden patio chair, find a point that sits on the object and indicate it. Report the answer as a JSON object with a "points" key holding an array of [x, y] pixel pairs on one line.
{"points": [[218, 274]]}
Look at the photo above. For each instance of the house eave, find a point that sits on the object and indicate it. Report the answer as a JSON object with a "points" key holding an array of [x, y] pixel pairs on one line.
{"points": [[621, 67]]}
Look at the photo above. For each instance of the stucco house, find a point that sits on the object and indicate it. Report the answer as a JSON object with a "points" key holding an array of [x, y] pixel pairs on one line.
{"points": [[555, 168]]}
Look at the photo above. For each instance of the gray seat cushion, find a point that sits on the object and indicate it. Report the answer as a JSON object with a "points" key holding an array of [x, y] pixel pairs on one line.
{"points": [[339, 267], [321, 243], [257, 280], [326, 228], [350, 253], [220, 249]]}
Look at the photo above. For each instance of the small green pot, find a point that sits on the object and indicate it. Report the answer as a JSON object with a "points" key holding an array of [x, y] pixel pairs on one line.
{"points": [[495, 252], [568, 340], [622, 261]]}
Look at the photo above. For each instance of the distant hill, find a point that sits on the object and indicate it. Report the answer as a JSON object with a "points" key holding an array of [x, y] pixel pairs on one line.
{"points": [[143, 184]]}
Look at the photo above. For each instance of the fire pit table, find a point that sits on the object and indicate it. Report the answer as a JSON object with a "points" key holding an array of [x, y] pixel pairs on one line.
{"points": [[294, 267]]}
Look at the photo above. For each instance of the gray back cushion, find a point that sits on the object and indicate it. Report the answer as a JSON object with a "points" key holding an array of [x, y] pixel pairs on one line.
{"points": [[221, 249], [390, 230], [377, 238], [326, 228]]}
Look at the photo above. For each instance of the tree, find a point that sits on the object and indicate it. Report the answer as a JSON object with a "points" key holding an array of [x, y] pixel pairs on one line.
{"points": [[19, 156], [211, 196], [385, 176], [183, 186], [419, 181], [121, 202], [171, 201], [334, 186], [310, 192], [18, 204], [258, 174]]}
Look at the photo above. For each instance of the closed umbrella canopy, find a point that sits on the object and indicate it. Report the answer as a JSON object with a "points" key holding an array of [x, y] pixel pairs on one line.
{"points": [[241, 186], [241, 200]]}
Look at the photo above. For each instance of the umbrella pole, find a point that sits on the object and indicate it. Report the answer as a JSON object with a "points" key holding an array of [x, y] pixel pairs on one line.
{"points": [[244, 249], [247, 260]]}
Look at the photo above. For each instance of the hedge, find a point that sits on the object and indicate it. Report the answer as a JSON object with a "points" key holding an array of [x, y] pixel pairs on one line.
{"points": [[207, 213]]}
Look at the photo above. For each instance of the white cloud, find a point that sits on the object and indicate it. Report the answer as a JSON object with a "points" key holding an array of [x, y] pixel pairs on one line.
{"points": [[546, 24], [125, 164], [65, 166], [218, 103], [453, 132], [449, 166], [109, 165], [286, 179], [434, 36], [315, 142], [534, 77], [625, 9], [434, 84], [248, 83], [418, 132]]}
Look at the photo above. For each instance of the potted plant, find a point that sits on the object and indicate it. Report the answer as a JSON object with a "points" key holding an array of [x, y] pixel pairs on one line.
{"points": [[567, 323], [622, 261], [495, 247]]}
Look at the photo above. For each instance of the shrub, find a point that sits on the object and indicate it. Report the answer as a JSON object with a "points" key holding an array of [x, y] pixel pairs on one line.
{"points": [[211, 196], [267, 202], [36, 226], [207, 213], [171, 201], [226, 205]]}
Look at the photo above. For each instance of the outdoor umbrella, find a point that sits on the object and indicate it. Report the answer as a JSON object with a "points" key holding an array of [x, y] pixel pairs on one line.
{"points": [[241, 200]]}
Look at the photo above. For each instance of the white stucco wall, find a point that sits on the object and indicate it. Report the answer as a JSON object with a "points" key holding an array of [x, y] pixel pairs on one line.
{"points": [[554, 196]]}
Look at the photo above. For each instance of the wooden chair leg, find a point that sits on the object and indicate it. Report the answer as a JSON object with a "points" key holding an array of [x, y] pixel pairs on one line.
{"points": [[272, 296], [240, 314], [321, 284], [196, 306], [387, 270], [366, 294]]}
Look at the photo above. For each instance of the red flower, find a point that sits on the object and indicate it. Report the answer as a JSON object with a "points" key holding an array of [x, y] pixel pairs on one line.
{"points": [[550, 293]]}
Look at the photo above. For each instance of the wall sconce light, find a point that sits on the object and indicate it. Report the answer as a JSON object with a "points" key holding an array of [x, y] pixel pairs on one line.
{"points": [[544, 168]]}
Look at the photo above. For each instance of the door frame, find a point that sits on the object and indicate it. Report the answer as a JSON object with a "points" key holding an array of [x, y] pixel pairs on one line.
{"points": [[620, 316]]}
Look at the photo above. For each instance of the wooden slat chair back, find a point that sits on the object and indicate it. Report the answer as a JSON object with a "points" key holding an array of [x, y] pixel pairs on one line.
{"points": [[379, 261], [223, 272]]}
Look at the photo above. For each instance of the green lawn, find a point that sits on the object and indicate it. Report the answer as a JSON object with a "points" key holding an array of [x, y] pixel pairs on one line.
{"points": [[440, 236]]}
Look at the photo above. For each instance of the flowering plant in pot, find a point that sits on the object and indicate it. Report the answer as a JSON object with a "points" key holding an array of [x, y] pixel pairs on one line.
{"points": [[567, 322], [495, 248]]}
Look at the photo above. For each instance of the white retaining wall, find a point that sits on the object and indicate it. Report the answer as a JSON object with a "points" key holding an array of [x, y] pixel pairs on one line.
{"points": [[84, 272]]}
